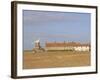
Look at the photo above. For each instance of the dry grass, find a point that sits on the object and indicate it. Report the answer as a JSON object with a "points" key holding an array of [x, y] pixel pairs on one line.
{"points": [[55, 59]]}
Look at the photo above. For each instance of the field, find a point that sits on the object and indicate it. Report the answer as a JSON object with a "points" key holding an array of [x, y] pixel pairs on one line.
{"points": [[52, 59]]}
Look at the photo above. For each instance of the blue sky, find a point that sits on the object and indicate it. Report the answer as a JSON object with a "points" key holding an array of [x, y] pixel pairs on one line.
{"points": [[50, 26]]}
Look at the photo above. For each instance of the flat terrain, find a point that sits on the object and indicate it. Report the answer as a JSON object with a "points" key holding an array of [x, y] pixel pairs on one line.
{"points": [[55, 59]]}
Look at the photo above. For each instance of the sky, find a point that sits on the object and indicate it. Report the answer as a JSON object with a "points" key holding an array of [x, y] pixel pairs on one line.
{"points": [[51, 26]]}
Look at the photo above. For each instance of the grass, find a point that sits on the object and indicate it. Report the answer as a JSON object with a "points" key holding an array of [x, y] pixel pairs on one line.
{"points": [[52, 59]]}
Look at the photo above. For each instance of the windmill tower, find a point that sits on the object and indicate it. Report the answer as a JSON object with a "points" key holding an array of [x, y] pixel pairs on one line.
{"points": [[38, 48], [37, 44]]}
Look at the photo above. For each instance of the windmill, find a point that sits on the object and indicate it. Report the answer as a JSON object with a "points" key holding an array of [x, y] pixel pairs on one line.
{"points": [[38, 48], [37, 44]]}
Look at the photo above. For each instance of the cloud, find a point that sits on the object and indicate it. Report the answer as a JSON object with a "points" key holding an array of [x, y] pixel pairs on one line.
{"points": [[39, 17], [57, 35]]}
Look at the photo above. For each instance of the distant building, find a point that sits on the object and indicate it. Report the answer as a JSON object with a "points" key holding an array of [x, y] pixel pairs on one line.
{"points": [[73, 46]]}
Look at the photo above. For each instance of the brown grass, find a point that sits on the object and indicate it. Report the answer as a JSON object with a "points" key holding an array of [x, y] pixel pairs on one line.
{"points": [[55, 59]]}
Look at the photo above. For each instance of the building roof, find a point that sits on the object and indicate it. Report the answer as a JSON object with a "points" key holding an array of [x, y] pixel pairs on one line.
{"points": [[64, 44]]}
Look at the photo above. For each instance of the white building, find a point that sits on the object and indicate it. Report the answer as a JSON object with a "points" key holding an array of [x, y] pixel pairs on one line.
{"points": [[71, 46]]}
